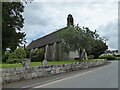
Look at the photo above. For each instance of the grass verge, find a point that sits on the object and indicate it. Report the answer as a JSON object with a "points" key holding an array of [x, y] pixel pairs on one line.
{"points": [[5, 65]]}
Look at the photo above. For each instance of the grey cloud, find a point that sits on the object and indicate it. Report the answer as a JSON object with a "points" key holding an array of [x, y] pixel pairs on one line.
{"points": [[110, 31], [43, 18], [34, 14]]}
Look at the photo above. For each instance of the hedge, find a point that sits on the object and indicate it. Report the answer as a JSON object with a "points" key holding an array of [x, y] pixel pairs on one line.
{"points": [[108, 57]]}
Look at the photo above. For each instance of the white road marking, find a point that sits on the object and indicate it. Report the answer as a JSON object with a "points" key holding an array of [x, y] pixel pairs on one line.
{"points": [[36, 86]]}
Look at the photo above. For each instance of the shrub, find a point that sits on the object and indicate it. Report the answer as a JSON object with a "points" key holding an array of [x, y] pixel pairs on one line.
{"points": [[27, 53], [14, 61], [37, 56], [116, 55], [90, 57], [5, 56], [108, 57], [16, 56]]}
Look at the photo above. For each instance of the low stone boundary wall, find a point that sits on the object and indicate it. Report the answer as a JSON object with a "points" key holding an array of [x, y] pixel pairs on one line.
{"points": [[21, 73]]}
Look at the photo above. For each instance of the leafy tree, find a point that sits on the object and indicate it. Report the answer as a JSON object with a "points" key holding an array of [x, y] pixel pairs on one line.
{"points": [[27, 52], [76, 39], [16, 56], [98, 48], [5, 56], [12, 22]]}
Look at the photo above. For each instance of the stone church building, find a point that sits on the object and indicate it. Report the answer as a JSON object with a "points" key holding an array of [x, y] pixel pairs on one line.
{"points": [[51, 45]]}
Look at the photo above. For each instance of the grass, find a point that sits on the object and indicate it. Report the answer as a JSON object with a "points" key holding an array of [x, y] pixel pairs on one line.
{"points": [[4, 65], [9, 65], [54, 62], [93, 60]]}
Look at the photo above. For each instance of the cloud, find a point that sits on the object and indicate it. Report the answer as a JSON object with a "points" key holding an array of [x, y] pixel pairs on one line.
{"points": [[110, 31], [42, 18], [76, 1]]}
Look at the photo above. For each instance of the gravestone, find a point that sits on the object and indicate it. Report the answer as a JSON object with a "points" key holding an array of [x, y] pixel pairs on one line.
{"points": [[44, 62], [26, 63], [84, 55]]}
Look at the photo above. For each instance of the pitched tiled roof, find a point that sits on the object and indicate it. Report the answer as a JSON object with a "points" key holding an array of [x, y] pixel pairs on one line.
{"points": [[48, 39]]}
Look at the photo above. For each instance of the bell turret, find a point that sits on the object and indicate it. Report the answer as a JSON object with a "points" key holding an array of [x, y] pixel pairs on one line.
{"points": [[70, 20]]}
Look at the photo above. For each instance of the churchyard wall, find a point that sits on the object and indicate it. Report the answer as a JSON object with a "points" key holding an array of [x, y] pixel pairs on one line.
{"points": [[22, 73]]}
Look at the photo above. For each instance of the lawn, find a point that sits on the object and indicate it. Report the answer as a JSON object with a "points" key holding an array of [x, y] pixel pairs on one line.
{"points": [[4, 65]]}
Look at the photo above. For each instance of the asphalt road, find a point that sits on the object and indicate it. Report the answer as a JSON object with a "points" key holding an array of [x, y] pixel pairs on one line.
{"points": [[102, 77]]}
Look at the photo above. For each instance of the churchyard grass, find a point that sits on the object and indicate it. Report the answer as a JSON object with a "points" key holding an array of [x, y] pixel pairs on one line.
{"points": [[5, 65]]}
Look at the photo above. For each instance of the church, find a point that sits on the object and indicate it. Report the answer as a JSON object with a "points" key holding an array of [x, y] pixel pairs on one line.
{"points": [[52, 47]]}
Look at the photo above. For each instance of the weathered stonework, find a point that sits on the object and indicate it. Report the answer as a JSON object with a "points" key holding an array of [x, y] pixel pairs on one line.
{"points": [[22, 73], [46, 52], [54, 52]]}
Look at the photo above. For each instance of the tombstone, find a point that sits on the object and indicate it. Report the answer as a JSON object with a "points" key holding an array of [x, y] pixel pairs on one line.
{"points": [[26, 63], [84, 55], [44, 62]]}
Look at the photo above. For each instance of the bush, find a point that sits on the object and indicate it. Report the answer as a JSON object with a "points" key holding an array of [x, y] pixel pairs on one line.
{"points": [[108, 57], [14, 61], [27, 53], [37, 56], [5, 56], [90, 57], [116, 55], [16, 56]]}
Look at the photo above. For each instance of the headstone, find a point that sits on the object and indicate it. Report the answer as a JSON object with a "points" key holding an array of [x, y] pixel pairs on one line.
{"points": [[26, 63], [31, 50], [84, 55], [44, 62]]}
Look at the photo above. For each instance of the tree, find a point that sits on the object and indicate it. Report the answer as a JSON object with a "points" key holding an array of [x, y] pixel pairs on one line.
{"points": [[12, 22], [76, 39], [5, 56], [16, 56], [27, 52], [98, 48]]}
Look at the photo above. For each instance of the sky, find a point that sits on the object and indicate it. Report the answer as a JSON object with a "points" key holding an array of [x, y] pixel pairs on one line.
{"points": [[44, 17]]}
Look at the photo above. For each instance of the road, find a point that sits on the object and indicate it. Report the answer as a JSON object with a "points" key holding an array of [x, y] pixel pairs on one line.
{"points": [[102, 77]]}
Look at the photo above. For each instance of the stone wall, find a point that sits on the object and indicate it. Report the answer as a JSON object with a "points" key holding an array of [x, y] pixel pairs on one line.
{"points": [[21, 73]]}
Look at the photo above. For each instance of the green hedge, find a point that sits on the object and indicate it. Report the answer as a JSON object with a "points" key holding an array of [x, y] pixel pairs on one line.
{"points": [[108, 57], [90, 57], [116, 55]]}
